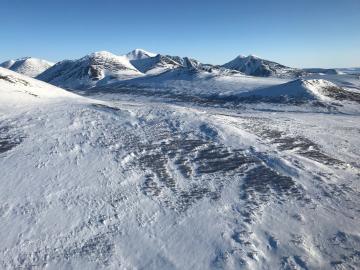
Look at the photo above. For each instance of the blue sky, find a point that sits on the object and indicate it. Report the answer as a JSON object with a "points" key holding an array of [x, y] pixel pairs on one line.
{"points": [[299, 33]]}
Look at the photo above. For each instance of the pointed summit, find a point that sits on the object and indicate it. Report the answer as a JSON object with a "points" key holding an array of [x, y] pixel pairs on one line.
{"points": [[139, 54]]}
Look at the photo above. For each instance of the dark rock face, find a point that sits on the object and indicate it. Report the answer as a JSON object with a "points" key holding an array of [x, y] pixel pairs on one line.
{"points": [[339, 93], [8, 138], [158, 61]]}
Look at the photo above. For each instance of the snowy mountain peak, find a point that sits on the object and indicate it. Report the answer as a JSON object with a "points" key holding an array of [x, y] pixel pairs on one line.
{"points": [[7, 64], [28, 66], [101, 54], [255, 66], [139, 54], [90, 70], [253, 56], [250, 56], [103, 57]]}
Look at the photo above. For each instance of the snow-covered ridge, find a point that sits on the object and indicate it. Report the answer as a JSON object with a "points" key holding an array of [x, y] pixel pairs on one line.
{"points": [[322, 71], [110, 57], [155, 65], [28, 66], [92, 69], [192, 64], [314, 89], [103, 67]]}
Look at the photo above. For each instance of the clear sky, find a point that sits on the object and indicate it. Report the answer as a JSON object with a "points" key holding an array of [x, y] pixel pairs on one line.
{"points": [[299, 33]]}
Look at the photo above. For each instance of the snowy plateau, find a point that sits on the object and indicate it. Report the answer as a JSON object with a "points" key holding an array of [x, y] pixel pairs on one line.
{"points": [[150, 161]]}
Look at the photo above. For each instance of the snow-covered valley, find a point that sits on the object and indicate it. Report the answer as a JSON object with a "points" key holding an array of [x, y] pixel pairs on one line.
{"points": [[180, 170]]}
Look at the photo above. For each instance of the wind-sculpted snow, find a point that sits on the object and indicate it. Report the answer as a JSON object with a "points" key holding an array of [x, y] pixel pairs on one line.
{"points": [[205, 168], [8, 139], [303, 146], [175, 167]]}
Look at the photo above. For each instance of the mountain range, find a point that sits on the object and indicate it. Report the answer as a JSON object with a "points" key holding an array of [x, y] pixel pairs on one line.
{"points": [[102, 68]]}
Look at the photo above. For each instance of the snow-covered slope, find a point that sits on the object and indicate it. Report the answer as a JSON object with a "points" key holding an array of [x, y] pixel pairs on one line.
{"points": [[302, 90], [186, 82], [93, 69], [17, 90], [28, 66], [255, 66]]}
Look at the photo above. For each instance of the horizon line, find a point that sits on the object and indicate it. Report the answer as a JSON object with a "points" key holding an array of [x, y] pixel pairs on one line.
{"points": [[195, 58]]}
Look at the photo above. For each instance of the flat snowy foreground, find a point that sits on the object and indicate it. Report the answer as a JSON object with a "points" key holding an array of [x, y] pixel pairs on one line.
{"points": [[141, 184]]}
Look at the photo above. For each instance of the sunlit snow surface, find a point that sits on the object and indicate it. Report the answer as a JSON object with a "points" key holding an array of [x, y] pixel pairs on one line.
{"points": [[28, 66], [134, 181]]}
